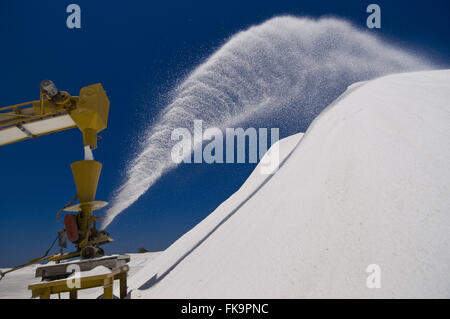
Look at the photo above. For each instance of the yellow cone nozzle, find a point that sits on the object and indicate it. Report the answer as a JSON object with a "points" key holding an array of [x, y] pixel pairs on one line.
{"points": [[86, 175], [90, 138]]}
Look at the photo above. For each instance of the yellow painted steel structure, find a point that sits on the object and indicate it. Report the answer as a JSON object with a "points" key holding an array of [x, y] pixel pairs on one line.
{"points": [[86, 174], [88, 111], [46, 289], [91, 113], [53, 112]]}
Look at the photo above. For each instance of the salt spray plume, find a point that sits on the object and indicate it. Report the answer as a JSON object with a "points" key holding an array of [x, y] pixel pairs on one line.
{"points": [[280, 73]]}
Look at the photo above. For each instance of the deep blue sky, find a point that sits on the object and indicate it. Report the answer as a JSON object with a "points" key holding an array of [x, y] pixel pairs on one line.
{"points": [[139, 50]]}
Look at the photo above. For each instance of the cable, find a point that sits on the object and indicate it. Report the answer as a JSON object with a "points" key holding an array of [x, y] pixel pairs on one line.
{"points": [[51, 246]]}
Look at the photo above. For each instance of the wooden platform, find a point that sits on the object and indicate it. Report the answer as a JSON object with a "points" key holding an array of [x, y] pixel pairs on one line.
{"points": [[59, 271], [46, 289]]}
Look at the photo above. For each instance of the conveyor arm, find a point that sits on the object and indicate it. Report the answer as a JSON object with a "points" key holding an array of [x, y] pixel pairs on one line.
{"points": [[56, 111]]}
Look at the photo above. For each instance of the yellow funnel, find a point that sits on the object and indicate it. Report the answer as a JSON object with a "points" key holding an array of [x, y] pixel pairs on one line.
{"points": [[91, 114], [86, 175]]}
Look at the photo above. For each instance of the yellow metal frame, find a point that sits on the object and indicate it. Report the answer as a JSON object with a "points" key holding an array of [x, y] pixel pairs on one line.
{"points": [[89, 111], [45, 290]]}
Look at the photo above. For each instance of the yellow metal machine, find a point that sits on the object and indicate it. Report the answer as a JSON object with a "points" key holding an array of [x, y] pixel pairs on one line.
{"points": [[53, 112]]}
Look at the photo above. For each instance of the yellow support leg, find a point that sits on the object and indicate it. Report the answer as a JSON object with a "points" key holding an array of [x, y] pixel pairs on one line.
{"points": [[73, 294], [108, 288], [123, 285]]}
